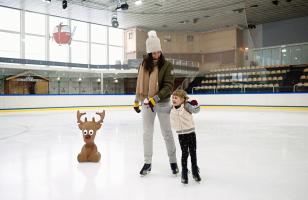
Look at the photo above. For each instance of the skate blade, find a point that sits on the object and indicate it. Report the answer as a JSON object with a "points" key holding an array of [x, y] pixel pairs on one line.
{"points": [[142, 175]]}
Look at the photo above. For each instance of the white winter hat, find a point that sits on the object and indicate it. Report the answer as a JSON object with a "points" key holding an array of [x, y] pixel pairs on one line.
{"points": [[153, 42]]}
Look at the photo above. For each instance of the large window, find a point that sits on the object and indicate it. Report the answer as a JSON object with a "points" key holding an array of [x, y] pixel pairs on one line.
{"points": [[115, 55], [98, 54], [116, 36], [81, 30], [34, 23], [9, 45], [57, 52], [79, 52], [98, 34], [91, 43], [9, 19], [34, 47]]}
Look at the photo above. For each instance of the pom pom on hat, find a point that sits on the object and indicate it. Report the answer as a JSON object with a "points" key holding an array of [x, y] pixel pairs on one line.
{"points": [[152, 34], [152, 42]]}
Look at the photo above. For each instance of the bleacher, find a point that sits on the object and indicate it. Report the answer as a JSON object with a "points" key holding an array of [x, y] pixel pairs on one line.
{"points": [[275, 78]]}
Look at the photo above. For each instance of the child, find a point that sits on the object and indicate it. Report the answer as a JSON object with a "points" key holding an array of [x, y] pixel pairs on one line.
{"points": [[182, 121]]}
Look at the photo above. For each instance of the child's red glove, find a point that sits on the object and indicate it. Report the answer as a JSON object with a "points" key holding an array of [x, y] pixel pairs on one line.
{"points": [[193, 102]]}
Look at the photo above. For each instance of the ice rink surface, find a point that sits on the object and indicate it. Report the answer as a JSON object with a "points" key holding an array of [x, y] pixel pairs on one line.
{"points": [[243, 154]]}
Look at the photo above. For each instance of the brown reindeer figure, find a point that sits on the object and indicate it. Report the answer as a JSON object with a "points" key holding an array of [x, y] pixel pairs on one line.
{"points": [[89, 151]]}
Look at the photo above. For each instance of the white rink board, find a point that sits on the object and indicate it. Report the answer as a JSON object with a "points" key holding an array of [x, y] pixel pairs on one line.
{"points": [[46, 101]]}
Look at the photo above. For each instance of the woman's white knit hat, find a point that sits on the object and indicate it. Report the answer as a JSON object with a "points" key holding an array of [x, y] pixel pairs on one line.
{"points": [[153, 42]]}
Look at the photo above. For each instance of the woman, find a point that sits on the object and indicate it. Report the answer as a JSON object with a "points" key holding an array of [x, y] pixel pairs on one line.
{"points": [[154, 88]]}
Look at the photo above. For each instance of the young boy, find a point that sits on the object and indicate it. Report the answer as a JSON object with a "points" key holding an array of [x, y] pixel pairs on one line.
{"points": [[182, 121]]}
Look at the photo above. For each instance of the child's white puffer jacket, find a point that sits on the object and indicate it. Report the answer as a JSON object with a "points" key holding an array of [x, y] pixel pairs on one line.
{"points": [[182, 120]]}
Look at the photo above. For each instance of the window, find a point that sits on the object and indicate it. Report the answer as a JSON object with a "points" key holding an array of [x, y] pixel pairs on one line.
{"points": [[10, 19], [79, 52], [81, 31], [115, 55], [54, 21], [58, 53], [35, 47], [35, 23], [98, 54], [98, 34], [116, 36], [10, 45]]}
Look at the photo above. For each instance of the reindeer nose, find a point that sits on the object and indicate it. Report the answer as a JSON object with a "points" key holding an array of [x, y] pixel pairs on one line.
{"points": [[87, 136]]}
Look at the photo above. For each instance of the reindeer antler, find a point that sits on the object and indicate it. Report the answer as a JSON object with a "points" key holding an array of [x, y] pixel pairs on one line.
{"points": [[102, 115], [79, 114]]}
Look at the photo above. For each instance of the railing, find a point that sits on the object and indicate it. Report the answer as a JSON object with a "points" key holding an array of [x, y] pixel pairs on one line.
{"points": [[242, 87]]}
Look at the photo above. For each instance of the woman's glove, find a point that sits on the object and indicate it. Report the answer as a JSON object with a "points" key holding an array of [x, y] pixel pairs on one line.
{"points": [[152, 103], [136, 107]]}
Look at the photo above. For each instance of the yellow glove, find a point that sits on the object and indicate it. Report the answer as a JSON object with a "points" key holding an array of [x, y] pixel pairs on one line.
{"points": [[136, 107], [152, 103]]}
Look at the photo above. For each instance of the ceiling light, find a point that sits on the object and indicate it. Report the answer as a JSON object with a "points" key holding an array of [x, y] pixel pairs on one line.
{"points": [[138, 2], [123, 5], [64, 4], [114, 21], [47, 1], [275, 2]]}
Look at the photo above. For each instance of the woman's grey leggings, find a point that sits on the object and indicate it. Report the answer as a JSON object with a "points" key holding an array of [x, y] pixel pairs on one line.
{"points": [[148, 117]]}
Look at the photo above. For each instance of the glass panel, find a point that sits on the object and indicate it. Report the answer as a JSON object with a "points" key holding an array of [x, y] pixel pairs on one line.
{"points": [[266, 57], [285, 55], [58, 52], [115, 55], [98, 54], [35, 47], [116, 36], [276, 56], [13, 19], [305, 54], [10, 45], [98, 34], [35, 23], [81, 31], [79, 52], [257, 57], [295, 56]]}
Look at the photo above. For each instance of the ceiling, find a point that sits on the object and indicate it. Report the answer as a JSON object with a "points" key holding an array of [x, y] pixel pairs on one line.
{"points": [[175, 15]]}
